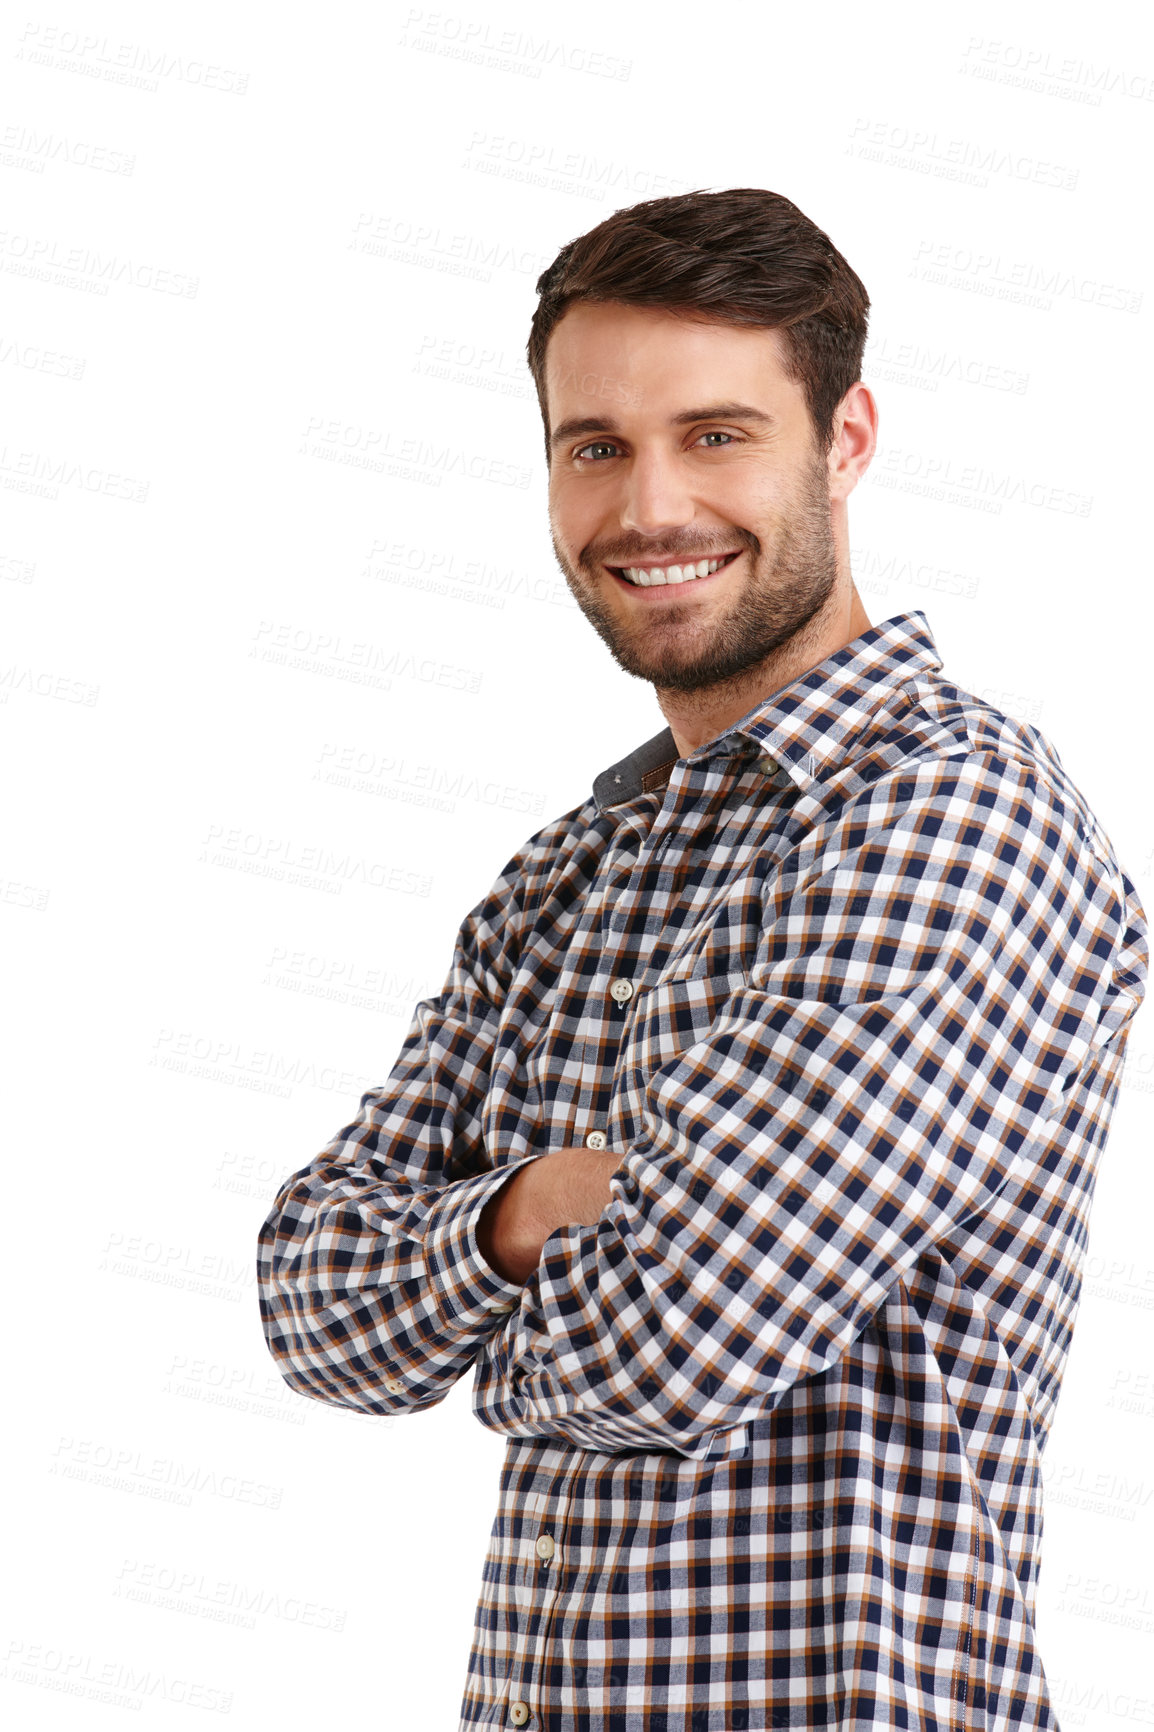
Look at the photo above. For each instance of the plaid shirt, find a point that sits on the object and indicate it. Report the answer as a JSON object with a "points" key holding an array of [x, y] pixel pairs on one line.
{"points": [[849, 989]]}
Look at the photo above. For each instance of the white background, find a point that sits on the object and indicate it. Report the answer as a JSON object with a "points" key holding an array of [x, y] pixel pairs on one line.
{"points": [[274, 512]]}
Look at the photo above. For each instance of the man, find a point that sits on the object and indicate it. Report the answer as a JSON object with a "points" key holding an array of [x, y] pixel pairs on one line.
{"points": [[747, 1154]]}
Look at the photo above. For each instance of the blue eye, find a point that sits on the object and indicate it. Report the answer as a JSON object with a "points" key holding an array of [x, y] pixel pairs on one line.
{"points": [[597, 445]]}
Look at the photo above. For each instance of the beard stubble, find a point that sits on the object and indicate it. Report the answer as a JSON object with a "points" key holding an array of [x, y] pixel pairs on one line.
{"points": [[787, 587]]}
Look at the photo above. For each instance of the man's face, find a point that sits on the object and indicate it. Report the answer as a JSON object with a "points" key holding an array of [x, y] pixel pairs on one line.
{"points": [[676, 442]]}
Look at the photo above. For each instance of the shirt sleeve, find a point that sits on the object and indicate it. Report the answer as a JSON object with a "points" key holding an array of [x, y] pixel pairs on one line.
{"points": [[373, 1293], [916, 1012]]}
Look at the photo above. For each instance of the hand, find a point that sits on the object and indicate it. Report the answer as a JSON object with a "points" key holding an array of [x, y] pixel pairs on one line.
{"points": [[565, 1188]]}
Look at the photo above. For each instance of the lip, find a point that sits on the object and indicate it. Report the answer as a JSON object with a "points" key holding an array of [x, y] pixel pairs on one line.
{"points": [[675, 591]]}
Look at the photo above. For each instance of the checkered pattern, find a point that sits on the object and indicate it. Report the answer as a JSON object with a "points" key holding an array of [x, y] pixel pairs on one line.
{"points": [[774, 1423]]}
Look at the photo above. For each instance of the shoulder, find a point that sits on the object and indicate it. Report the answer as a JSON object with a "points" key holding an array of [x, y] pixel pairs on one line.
{"points": [[559, 860], [936, 741], [947, 797]]}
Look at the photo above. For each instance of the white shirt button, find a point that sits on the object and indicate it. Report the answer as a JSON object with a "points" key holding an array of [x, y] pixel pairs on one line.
{"points": [[595, 1140], [518, 1713], [545, 1546], [621, 991], [394, 1386]]}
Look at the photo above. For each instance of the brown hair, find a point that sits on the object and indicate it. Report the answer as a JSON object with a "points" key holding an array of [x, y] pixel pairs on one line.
{"points": [[743, 257]]}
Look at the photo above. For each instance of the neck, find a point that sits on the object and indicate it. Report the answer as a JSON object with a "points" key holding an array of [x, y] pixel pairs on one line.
{"points": [[698, 716]]}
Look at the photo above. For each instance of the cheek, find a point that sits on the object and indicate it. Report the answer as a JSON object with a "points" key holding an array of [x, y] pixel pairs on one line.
{"points": [[579, 536], [749, 499], [572, 517]]}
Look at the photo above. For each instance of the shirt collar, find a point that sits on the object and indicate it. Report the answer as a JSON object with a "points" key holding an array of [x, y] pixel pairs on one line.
{"points": [[803, 726]]}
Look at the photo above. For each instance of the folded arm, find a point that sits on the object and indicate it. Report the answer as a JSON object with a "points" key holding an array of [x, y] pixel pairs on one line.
{"points": [[913, 1017], [373, 1294]]}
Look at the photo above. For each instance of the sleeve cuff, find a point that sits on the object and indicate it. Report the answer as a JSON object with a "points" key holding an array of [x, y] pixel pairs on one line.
{"points": [[463, 1285]]}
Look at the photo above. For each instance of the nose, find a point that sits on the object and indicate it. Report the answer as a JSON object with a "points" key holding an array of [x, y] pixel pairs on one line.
{"points": [[656, 497]]}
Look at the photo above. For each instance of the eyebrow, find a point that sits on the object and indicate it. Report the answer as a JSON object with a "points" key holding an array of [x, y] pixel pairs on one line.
{"points": [[578, 425]]}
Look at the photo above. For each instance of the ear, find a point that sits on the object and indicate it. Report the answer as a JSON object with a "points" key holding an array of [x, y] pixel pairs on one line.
{"points": [[854, 441]]}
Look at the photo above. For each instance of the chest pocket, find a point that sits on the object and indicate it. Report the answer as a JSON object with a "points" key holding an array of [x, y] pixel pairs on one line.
{"points": [[674, 1014]]}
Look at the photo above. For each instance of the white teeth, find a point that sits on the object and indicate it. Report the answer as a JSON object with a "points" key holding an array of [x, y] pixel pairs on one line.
{"points": [[672, 574]]}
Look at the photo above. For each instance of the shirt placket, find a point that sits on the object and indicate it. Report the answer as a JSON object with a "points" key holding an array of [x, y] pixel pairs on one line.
{"points": [[635, 907], [612, 987], [541, 1572]]}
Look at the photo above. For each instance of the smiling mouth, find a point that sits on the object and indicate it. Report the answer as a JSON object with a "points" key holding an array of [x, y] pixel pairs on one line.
{"points": [[670, 576]]}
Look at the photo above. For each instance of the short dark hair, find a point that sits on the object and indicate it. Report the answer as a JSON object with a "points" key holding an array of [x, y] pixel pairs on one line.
{"points": [[743, 257]]}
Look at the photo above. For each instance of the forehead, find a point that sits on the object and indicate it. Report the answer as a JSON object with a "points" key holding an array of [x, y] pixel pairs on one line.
{"points": [[658, 358]]}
